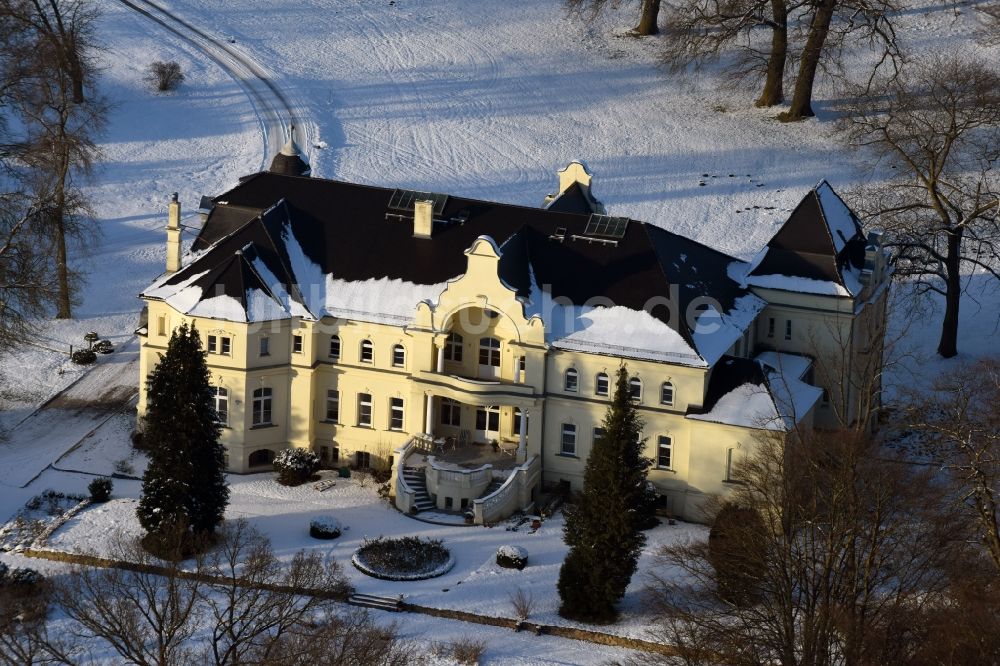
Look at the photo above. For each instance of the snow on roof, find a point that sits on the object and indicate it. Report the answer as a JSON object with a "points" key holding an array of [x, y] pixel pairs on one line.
{"points": [[791, 365], [792, 397], [608, 330], [216, 307], [748, 405], [798, 284], [715, 332], [839, 218]]}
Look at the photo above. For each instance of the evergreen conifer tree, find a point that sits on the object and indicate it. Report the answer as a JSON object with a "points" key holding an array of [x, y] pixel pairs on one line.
{"points": [[184, 487], [603, 529]]}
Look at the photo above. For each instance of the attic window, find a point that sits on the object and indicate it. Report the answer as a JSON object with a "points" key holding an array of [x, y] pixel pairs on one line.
{"points": [[403, 200]]}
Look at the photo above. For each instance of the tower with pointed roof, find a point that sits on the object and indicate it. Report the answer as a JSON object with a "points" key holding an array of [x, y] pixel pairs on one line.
{"points": [[289, 161]]}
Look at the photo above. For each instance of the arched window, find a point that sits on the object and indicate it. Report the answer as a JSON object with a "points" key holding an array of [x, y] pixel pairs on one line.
{"points": [[398, 356], [262, 407], [261, 457], [571, 383], [489, 352], [667, 394], [602, 385], [635, 388], [453, 347], [367, 351], [335, 347]]}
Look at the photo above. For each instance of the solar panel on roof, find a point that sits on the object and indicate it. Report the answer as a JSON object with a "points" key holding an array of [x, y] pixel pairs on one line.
{"points": [[606, 226], [403, 200]]}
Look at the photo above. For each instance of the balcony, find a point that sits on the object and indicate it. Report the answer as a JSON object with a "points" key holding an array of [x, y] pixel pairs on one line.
{"points": [[475, 391]]}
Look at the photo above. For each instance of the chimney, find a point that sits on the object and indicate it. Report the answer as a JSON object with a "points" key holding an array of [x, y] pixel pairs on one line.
{"points": [[423, 218], [173, 235]]}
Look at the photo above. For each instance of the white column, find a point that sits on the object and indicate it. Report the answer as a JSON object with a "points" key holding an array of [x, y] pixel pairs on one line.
{"points": [[522, 437], [429, 422], [440, 360], [517, 369]]}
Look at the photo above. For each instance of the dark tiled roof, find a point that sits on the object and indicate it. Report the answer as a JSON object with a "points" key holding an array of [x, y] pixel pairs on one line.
{"points": [[289, 165], [810, 245], [348, 230], [575, 199]]}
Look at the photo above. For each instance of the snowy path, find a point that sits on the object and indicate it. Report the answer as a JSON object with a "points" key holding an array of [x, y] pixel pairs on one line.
{"points": [[68, 419], [272, 106]]}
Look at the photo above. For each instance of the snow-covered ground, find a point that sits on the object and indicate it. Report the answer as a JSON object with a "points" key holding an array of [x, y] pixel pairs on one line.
{"points": [[472, 98]]}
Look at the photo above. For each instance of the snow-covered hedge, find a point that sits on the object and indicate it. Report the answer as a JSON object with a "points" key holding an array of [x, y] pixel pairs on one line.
{"points": [[295, 466], [324, 527], [83, 357], [403, 558], [512, 557]]}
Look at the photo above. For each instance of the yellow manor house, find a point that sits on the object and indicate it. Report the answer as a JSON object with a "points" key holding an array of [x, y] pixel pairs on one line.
{"points": [[472, 346]]}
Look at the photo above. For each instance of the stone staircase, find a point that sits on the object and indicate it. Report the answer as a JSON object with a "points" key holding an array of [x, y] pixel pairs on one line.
{"points": [[372, 601], [414, 477], [493, 487]]}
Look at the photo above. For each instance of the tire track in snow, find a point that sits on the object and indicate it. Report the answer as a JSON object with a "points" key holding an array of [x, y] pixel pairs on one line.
{"points": [[271, 106]]}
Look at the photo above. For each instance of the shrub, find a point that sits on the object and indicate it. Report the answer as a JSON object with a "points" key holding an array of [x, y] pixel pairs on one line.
{"points": [[522, 602], [138, 441], [165, 76], [324, 527], [736, 553], [468, 650], [402, 558], [512, 557], [100, 490], [3, 573], [103, 347], [295, 466], [23, 582], [83, 357]]}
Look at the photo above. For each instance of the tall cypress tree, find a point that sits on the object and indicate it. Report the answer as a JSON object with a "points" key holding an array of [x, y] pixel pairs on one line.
{"points": [[184, 486], [602, 531]]}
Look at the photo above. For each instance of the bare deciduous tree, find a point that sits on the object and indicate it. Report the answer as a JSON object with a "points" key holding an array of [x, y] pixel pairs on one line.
{"points": [[939, 121], [252, 612], [702, 30], [649, 12], [846, 551], [352, 638], [27, 283]]}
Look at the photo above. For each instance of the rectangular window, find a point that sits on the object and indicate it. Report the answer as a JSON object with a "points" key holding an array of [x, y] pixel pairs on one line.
{"points": [[265, 346], [598, 433], [730, 455], [362, 460], [395, 413], [664, 451], [398, 356], [568, 440], [262, 407], [297, 344], [571, 380], [213, 344], [161, 325], [335, 347], [788, 329], [667, 394], [451, 412], [220, 400], [826, 398], [224, 345], [770, 327], [333, 405], [453, 347], [602, 384], [365, 409]]}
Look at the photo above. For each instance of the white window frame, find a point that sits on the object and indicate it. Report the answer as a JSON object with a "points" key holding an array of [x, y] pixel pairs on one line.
{"points": [[333, 398], [665, 442], [567, 439], [453, 410], [367, 348], [212, 344], [225, 345], [571, 381], [664, 387], [364, 400], [334, 352], [453, 347], [296, 343], [398, 356], [607, 384], [634, 382], [492, 352], [596, 433], [220, 401], [262, 412], [397, 413]]}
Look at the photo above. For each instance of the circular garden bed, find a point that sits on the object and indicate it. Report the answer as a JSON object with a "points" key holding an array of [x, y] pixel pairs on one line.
{"points": [[403, 558]]}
